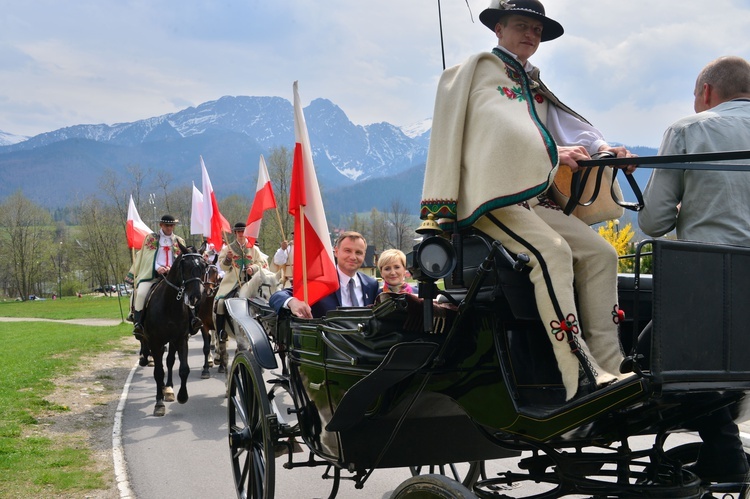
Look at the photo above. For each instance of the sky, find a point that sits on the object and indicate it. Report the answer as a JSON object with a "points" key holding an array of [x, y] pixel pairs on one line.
{"points": [[628, 66]]}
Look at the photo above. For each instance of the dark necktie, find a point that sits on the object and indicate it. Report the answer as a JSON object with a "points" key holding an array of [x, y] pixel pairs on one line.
{"points": [[352, 294]]}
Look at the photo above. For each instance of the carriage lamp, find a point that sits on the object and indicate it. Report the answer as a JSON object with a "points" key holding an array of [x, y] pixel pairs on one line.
{"points": [[434, 258]]}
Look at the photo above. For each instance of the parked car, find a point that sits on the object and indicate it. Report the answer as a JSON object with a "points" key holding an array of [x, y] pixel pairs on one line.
{"points": [[107, 288]]}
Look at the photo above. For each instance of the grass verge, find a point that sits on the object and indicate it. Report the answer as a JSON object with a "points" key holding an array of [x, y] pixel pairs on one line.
{"points": [[33, 354], [70, 307]]}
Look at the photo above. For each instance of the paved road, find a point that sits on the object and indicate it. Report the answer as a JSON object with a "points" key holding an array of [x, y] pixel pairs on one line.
{"points": [[185, 454]]}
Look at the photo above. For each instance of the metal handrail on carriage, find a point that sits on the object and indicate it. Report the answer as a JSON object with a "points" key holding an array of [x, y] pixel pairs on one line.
{"points": [[351, 394]]}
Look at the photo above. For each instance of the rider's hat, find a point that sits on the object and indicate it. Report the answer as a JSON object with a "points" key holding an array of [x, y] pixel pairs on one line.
{"points": [[168, 220], [239, 226], [490, 16]]}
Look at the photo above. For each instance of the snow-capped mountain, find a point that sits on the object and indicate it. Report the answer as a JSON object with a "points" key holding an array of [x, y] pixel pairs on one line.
{"points": [[7, 139], [230, 133]]}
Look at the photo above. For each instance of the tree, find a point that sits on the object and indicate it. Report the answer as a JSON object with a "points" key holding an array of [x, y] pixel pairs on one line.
{"points": [[619, 239], [26, 244], [279, 165], [402, 235], [103, 246], [378, 230]]}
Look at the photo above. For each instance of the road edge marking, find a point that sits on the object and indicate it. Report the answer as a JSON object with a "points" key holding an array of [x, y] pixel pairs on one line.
{"points": [[118, 452]]}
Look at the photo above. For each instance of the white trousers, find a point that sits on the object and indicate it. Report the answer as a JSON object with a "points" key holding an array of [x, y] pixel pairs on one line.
{"points": [[566, 254]]}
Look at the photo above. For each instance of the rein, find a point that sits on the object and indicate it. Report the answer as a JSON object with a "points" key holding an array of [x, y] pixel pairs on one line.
{"points": [[181, 289]]}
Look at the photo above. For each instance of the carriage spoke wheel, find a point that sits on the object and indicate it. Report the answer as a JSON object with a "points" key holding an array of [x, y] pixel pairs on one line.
{"points": [[465, 473], [250, 437]]}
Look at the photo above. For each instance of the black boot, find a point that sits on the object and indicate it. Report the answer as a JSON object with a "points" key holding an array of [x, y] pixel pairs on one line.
{"points": [[722, 457], [138, 327], [221, 334]]}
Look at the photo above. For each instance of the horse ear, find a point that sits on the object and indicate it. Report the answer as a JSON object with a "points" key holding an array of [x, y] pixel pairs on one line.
{"points": [[183, 249], [216, 258], [202, 249]]}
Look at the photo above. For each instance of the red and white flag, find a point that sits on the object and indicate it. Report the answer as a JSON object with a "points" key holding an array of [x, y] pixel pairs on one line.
{"points": [[213, 222], [315, 274], [264, 200], [135, 229], [196, 213]]}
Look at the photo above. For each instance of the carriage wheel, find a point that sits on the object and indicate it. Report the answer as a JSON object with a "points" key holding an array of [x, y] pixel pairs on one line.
{"points": [[250, 439], [431, 486], [465, 473]]}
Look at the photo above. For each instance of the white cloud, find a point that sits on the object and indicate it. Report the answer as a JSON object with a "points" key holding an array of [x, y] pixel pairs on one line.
{"points": [[627, 66]]}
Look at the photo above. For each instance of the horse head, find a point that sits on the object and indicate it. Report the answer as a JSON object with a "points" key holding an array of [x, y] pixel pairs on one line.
{"points": [[211, 279], [186, 275], [262, 284]]}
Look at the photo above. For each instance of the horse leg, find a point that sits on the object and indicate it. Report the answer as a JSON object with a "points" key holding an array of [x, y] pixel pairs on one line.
{"points": [[221, 351], [159, 409], [205, 373], [182, 351], [169, 385]]}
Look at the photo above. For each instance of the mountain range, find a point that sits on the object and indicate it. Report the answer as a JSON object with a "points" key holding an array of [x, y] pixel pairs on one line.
{"points": [[358, 167]]}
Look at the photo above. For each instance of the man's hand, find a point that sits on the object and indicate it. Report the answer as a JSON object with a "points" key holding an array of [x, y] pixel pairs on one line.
{"points": [[300, 308], [570, 155], [621, 152], [162, 270]]}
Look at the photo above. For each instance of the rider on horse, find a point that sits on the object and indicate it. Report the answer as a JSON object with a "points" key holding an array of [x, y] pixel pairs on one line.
{"points": [[151, 263], [240, 262]]}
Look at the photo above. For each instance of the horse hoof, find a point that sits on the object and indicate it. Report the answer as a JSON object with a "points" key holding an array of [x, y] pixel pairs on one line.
{"points": [[168, 394], [205, 374], [160, 410], [143, 361], [222, 369]]}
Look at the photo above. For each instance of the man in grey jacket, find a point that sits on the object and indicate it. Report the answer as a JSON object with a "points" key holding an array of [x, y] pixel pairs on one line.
{"points": [[706, 205], [711, 206]]}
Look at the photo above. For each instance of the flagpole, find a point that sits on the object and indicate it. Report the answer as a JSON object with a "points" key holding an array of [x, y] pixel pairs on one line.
{"points": [[304, 255], [281, 226]]}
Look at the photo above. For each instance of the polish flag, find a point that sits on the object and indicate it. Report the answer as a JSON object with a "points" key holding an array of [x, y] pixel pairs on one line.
{"points": [[264, 200], [196, 213], [213, 221], [315, 274], [135, 229]]}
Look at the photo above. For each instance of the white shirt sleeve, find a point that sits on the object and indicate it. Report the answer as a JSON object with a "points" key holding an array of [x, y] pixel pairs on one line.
{"points": [[280, 257], [567, 130]]}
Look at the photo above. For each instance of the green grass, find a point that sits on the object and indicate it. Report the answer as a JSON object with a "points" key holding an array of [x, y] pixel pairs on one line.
{"points": [[70, 307], [33, 354]]}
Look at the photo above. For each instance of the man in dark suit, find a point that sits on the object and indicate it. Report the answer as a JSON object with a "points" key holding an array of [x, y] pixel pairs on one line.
{"points": [[355, 288]]}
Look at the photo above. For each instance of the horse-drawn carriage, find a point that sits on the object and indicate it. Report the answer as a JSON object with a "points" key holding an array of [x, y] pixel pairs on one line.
{"points": [[472, 378]]}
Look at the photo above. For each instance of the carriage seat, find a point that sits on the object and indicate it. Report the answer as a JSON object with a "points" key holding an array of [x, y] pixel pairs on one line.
{"points": [[504, 282]]}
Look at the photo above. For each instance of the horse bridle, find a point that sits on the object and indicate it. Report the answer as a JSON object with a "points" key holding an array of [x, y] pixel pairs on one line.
{"points": [[208, 283], [181, 289]]}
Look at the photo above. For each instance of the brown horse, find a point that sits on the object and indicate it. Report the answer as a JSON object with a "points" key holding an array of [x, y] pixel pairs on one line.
{"points": [[167, 321]]}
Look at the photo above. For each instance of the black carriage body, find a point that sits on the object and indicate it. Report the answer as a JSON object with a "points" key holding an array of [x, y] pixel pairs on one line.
{"points": [[330, 356], [499, 386]]}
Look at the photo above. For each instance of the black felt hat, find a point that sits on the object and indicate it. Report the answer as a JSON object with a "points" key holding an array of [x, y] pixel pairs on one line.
{"points": [[551, 29], [168, 220]]}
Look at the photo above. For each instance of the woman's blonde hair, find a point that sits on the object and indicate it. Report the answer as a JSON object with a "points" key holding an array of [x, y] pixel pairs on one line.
{"points": [[391, 255]]}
